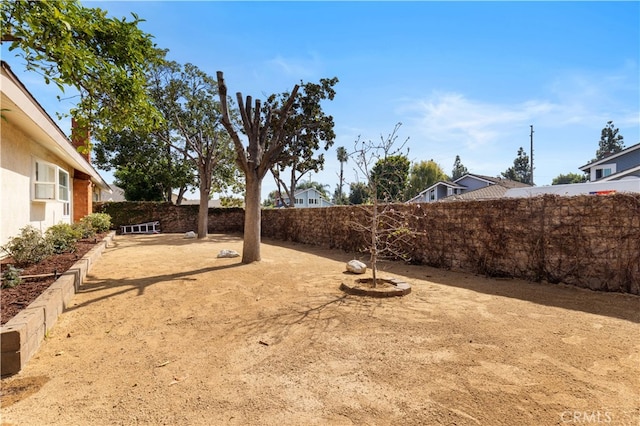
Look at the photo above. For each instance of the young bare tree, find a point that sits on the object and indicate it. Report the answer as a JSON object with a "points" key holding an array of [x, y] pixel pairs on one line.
{"points": [[267, 138], [385, 226]]}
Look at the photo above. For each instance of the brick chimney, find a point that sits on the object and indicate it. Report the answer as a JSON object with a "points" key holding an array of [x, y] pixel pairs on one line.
{"points": [[82, 185], [80, 139]]}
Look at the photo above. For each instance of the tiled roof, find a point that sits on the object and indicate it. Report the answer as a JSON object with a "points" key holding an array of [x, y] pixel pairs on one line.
{"points": [[488, 192]]}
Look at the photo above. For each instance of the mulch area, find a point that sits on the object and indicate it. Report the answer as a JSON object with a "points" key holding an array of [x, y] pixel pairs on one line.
{"points": [[13, 300]]}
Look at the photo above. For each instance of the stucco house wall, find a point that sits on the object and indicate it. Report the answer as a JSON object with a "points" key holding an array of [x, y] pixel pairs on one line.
{"points": [[16, 174], [29, 135]]}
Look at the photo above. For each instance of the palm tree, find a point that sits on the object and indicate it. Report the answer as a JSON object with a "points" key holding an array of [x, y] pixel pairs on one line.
{"points": [[343, 156]]}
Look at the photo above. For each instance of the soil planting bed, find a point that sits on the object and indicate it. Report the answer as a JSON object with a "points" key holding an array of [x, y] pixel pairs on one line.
{"points": [[13, 300]]}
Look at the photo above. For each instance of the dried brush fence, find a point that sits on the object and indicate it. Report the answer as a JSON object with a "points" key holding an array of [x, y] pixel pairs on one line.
{"points": [[587, 241]]}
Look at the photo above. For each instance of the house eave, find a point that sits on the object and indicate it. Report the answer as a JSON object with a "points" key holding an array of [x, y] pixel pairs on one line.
{"points": [[605, 160], [25, 112], [486, 179]]}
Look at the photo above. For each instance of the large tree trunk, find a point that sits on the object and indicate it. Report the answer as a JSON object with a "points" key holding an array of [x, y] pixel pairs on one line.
{"points": [[203, 210], [252, 219]]}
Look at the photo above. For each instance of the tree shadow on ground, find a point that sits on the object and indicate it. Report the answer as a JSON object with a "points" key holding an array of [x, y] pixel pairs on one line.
{"points": [[616, 305], [139, 284], [179, 239], [316, 317]]}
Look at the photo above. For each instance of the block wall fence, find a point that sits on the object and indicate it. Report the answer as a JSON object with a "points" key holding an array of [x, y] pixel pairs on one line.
{"points": [[586, 241]]}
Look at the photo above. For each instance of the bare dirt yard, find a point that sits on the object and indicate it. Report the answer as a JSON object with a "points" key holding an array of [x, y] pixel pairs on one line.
{"points": [[165, 333]]}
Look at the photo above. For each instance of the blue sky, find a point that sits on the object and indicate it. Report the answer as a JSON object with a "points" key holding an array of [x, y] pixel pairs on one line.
{"points": [[463, 78]]}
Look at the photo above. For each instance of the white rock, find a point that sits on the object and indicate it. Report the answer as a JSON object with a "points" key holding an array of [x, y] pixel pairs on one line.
{"points": [[356, 267], [190, 234], [228, 253]]}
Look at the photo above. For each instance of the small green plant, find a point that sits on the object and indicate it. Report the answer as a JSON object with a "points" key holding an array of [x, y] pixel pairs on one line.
{"points": [[63, 237], [11, 277], [100, 222], [84, 229], [29, 247]]}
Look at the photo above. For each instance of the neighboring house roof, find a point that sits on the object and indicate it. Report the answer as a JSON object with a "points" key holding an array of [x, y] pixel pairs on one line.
{"points": [[608, 158], [487, 179], [496, 187], [486, 193], [447, 184], [27, 112]]}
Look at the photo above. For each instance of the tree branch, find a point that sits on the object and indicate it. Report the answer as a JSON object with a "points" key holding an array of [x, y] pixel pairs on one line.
{"points": [[241, 156]]}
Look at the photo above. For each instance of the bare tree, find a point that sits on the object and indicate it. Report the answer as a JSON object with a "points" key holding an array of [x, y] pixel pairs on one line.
{"points": [[265, 131], [386, 227]]}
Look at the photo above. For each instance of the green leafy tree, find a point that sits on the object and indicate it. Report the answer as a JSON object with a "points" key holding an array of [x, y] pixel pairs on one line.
{"points": [[422, 175], [359, 193], [146, 167], [611, 141], [137, 184], [195, 131], [307, 127], [459, 169], [569, 178], [391, 175], [230, 201], [104, 59], [270, 201], [190, 148], [340, 198], [521, 170]]}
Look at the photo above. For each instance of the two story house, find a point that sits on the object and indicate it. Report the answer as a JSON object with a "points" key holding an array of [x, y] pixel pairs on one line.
{"points": [[309, 197], [623, 164]]}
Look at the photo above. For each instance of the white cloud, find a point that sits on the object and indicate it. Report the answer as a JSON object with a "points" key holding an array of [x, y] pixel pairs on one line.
{"points": [[472, 124], [300, 68]]}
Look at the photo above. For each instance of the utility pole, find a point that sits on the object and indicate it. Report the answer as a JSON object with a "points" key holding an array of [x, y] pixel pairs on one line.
{"points": [[531, 181]]}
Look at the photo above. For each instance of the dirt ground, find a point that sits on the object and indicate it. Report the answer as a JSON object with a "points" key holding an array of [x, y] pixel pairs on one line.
{"points": [[165, 333]]}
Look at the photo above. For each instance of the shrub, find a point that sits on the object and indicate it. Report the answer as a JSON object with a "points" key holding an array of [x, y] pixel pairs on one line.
{"points": [[29, 247], [100, 222], [63, 237], [84, 229], [11, 277]]}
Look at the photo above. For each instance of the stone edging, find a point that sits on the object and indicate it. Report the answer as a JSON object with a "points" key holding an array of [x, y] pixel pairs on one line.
{"points": [[401, 288], [21, 336]]}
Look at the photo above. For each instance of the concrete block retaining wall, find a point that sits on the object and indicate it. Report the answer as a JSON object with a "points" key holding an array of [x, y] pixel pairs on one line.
{"points": [[586, 241], [22, 335]]}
